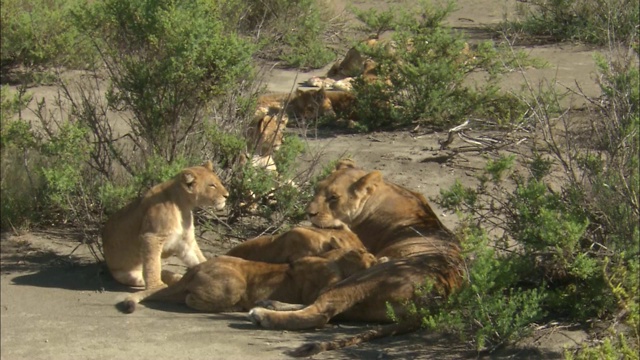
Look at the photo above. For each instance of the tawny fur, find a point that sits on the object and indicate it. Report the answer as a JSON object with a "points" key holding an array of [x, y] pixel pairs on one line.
{"points": [[392, 222], [227, 283], [295, 244], [159, 225]]}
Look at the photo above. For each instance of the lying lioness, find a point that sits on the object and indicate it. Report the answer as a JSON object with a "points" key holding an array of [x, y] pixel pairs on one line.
{"points": [[228, 283], [392, 222], [296, 243]]}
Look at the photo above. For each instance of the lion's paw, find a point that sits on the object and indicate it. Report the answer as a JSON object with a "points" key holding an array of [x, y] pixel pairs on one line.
{"points": [[258, 317], [266, 304]]}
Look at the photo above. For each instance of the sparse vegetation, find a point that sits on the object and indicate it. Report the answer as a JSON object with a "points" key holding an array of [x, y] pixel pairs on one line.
{"points": [[38, 35], [591, 21], [170, 83], [569, 251], [421, 76], [180, 80]]}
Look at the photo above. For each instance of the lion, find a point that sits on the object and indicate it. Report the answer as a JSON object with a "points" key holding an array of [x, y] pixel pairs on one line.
{"points": [[353, 64], [264, 137], [300, 105], [228, 284], [392, 222], [317, 103], [158, 225], [295, 244]]}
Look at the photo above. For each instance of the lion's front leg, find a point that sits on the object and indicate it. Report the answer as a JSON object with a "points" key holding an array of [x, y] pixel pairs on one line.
{"points": [[278, 305], [308, 318], [152, 261], [191, 254]]}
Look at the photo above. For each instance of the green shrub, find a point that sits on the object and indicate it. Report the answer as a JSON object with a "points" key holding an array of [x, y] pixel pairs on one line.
{"points": [[166, 61], [494, 307], [421, 77], [592, 21], [38, 34], [563, 250], [290, 31], [18, 199]]}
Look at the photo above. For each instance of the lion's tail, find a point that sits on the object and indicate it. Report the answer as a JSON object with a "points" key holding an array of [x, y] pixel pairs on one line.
{"points": [[176, 292], [312, 348]]}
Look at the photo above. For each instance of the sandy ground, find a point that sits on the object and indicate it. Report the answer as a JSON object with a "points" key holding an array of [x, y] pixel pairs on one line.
{"points": [[57, 303]]}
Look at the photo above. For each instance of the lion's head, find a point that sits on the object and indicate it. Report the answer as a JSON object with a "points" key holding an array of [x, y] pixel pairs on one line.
{"points": [[339, 198], [203, 186], [266, 134], [348, 261], [354, 261], [311, 104]]}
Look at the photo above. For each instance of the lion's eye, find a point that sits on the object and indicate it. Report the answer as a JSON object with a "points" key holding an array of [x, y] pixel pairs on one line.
{"points": [[213, 185], [333, 197]]}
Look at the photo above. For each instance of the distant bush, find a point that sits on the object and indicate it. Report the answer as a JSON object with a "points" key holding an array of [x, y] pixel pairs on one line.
{"points": [[421, 74], [38, 34], [291, 31], [592, 21]]}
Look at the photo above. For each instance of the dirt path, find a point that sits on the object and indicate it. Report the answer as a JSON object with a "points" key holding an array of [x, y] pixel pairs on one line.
{"points": [[56, 306]]}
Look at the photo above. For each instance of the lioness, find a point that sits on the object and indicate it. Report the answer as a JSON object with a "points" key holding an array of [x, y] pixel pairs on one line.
{"points": [[264, 138], [228, 283], [353, 63], [300, 106], [296, 243], [315, 103], [158, 225], [391, 221]]}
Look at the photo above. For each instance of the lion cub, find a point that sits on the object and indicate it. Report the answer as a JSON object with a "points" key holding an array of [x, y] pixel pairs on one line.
{"points": [[227, 283], [296, 243], [158, 225]]}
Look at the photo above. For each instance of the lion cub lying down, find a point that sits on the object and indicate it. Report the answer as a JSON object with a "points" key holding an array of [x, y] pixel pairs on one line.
{"points": [[227, 283], [296, 243]]}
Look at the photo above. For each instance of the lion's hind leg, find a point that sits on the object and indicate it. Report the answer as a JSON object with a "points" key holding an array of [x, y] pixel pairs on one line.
{"points": [[169, 277], [207, 294]]}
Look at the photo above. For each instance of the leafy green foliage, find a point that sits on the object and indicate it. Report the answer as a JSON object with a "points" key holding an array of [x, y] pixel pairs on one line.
{"points": [[492, 307], [18, 202], [421, 75], [38, 34], [592, 21], [166, 62], [289, 31], [568, 250]]}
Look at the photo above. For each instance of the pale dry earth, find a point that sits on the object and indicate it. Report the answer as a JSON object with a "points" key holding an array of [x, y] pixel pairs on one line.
{"points": [[57, 303]]}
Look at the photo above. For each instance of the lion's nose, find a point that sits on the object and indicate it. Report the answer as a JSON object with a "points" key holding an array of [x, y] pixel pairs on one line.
{"points": [[311, 211]]}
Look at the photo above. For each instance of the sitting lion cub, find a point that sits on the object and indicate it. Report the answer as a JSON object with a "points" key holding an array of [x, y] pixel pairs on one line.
{"points": [[158, 225], [296, 243], [227, 283]]}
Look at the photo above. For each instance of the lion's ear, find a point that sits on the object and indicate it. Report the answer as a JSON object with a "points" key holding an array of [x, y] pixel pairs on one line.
{"points": [[334, 243], [208, 164], [189, 179], [345, 164], [284, 120], [366, 184], [262, 123]]}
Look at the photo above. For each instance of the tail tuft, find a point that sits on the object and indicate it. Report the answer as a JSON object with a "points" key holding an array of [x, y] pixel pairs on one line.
{"points": [[307, 349], [127, 306]]}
